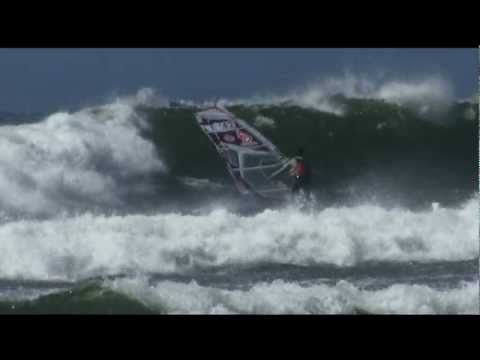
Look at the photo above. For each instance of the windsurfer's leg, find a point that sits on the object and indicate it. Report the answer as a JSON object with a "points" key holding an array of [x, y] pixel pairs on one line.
{"points": [[295, 187]]}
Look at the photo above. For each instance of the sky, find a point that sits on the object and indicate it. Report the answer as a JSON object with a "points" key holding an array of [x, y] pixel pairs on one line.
{"points": [[48, 80]]}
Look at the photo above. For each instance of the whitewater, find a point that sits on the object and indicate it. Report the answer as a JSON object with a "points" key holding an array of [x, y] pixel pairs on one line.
{"points": [[105, 199]]}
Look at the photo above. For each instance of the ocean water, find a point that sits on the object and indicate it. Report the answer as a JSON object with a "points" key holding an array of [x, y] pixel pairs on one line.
{"points": [[126, 208]]}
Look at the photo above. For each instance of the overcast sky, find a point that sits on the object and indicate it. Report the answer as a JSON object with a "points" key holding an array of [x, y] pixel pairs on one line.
{"points": [[44, 80]]}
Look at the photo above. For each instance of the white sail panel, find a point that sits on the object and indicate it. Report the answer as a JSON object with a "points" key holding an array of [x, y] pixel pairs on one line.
{"points": [[250, 158]]}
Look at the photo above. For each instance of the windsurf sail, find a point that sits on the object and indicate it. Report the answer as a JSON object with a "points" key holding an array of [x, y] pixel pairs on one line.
{"points": [[254, 163]]}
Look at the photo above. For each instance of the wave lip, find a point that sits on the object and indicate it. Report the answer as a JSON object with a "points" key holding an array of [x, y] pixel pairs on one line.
{"points": [[427, 93]]}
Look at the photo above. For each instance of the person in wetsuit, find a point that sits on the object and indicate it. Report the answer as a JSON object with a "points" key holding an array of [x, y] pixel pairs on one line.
{"points": [[301, 172]]}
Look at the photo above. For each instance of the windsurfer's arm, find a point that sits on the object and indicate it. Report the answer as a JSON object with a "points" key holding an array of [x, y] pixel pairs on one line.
{"points": [[282, 169], [293, 169]]}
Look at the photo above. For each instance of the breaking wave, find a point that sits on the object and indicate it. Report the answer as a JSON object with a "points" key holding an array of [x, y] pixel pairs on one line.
{"points": [[280, 297], [74, 161], [402, 189], [88, 245], [426, 94]]}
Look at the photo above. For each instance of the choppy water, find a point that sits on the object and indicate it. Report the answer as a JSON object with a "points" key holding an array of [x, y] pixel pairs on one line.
{"points": [[126, 208]]}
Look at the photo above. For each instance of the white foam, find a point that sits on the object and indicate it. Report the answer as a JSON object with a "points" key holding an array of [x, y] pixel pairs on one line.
{"points": [[200, 184], [88, 245], [428, 93], [73, 159], [264, 121], [146, 97], [280, 297], [431, 91]]}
